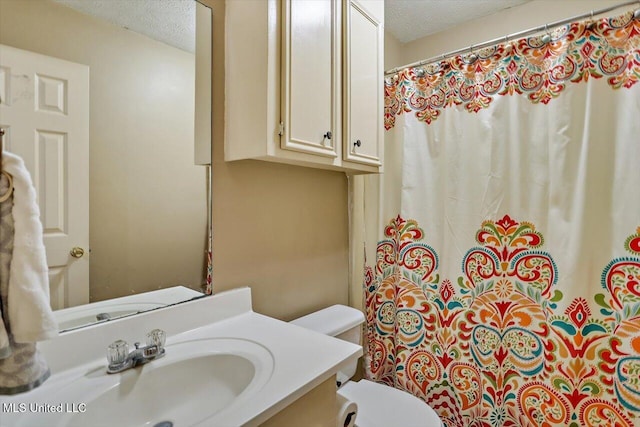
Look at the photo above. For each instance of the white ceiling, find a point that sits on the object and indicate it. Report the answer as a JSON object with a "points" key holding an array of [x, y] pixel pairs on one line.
{"points": [[409, 20], [169, 21]]}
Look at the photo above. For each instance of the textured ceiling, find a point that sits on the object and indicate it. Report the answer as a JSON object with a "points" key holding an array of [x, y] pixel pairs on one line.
{"points": [[409, 20], [169, 21], [174, 21]]}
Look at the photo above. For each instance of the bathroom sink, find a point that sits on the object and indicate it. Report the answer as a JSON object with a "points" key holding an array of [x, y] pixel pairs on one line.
{"points": [[194, 381], [224, 365]]}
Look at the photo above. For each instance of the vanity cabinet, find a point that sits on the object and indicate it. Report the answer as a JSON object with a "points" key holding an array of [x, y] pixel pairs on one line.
{"points": [[304, 83], [317, 408]]}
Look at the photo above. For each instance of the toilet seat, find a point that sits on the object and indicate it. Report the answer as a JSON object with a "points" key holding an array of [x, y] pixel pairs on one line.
{"points": [[374, 406]]}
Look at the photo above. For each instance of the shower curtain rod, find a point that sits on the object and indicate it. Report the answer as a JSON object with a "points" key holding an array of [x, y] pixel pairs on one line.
{"points": [[513, 36]]}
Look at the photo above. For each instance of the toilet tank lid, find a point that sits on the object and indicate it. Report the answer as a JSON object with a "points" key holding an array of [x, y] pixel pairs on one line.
{"points": [[332, 320]]}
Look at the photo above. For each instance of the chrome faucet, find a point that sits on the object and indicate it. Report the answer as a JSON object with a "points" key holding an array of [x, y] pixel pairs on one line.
{"points": [[120, 359]]}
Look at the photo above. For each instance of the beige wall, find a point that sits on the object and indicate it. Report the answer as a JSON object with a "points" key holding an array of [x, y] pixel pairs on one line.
{"points": [[392, 51], [147, 200], [519, 18], [280, 229]]}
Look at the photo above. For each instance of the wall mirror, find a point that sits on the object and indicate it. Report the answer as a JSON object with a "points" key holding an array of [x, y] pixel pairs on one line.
{"points": [[98, 97]]}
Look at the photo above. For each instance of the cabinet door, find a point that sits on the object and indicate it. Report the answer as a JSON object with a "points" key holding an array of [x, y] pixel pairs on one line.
{"points": [[363, 86], [310, 84]]}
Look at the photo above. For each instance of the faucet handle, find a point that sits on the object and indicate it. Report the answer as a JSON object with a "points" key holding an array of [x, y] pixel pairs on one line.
{"points": [[157, 337], [117, 352]]}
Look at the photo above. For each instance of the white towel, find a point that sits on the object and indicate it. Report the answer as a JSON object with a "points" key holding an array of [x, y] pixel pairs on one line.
{"points": [[30, 314], [22, 367]]}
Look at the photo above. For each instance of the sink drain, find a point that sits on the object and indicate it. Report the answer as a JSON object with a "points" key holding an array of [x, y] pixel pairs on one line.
{"points": [[164, 424]]}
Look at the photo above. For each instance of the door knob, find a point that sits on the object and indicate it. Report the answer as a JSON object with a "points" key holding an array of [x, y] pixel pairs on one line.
{"points": [[358, 143], [328, 135], [77, 252]]}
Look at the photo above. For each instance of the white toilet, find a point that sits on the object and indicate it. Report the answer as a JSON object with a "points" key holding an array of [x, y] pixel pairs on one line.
{"points": [[378, 405]]}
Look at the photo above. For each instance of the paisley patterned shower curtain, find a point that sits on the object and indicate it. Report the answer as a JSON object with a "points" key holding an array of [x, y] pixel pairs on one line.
{"points": [[505, 289]]}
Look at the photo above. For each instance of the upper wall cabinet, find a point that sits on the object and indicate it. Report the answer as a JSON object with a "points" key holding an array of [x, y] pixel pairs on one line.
{"points": [[310, 76], [363, 98], [304, 83]]}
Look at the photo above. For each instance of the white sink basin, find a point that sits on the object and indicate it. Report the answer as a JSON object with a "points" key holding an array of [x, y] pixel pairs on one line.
{"points": [[142, 398], [194, 381]]}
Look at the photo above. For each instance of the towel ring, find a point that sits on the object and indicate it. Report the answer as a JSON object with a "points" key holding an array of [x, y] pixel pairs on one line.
{"points": [[4, 197]]}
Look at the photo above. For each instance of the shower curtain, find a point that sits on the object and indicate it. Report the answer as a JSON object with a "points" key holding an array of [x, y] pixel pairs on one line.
{"points": [[505, 286]]}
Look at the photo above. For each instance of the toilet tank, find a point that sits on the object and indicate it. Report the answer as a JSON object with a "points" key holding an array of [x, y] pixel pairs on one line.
{"points": [[338, 321]]}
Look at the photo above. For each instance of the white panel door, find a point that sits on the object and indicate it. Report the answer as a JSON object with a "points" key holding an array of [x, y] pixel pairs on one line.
{"points": [[311, 64], [44, 109]]}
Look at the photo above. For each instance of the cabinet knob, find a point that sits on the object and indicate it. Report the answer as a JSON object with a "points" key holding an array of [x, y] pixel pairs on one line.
{"points": [[358, 143], [328, 135]]}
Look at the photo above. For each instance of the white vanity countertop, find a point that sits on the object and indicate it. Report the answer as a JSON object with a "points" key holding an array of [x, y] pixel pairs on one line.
{"points": [[302, 359]]}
